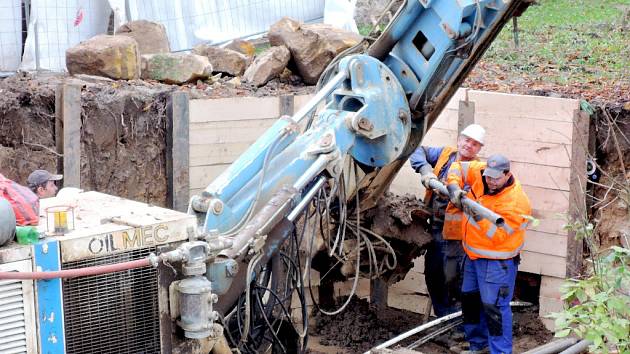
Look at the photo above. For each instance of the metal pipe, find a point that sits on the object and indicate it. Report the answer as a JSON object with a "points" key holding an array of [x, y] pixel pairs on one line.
{"points": [[471, 204], [432, 324], [80, 272], [316, 168], [415, 331], [577, 348], [434, 334], [306, 199], [553, 347], [322, 94]]}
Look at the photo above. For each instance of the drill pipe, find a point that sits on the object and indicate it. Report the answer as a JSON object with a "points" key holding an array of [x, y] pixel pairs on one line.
{"points": [[477, 208]]}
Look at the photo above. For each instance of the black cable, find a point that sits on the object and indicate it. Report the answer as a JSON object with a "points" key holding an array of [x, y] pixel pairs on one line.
{"points": [[271, 329]]}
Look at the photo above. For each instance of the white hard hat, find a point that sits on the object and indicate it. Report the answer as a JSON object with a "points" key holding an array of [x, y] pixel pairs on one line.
{"points": [[475, 131]]}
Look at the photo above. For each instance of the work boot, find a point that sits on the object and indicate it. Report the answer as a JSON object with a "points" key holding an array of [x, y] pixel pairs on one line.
{"points": [[458, 336], [460, 347]]}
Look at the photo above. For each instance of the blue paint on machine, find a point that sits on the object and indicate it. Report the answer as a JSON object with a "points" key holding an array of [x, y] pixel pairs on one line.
{"points": [[49, 299]]}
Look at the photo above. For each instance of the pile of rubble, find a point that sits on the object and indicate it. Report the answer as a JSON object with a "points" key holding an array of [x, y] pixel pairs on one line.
{"points": [[140, 49]]}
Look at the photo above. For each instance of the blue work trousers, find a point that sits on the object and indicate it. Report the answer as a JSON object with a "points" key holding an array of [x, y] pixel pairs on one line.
{"points": [[487, 289], [443, 274]]}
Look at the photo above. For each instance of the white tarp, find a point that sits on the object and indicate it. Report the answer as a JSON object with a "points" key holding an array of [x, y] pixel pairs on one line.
{"points": [[340, 14], [10, 34], [60, 25], [190, 22]]}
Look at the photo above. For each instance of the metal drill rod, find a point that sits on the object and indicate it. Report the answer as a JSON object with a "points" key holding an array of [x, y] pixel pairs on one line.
{"points": [[477, 208]]}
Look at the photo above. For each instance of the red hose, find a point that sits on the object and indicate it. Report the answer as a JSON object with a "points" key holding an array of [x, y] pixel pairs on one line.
{"points": [[80, 272]]}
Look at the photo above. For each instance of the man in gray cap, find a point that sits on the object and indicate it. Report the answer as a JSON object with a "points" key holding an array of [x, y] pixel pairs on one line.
{"points": [[42, 183], [492, 253]]}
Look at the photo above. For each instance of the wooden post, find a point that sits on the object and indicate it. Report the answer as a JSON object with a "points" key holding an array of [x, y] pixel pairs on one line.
{"points": [[379, 291], [59, 126], [177, 152], [286, 105], [465, 114], [71, 133], [577, 185]]}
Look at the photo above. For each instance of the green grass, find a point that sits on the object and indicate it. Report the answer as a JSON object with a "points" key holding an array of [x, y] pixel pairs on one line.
{"points": [[565, 41]]}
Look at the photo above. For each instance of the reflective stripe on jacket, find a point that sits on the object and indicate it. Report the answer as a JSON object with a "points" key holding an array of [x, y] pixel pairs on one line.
{"points": [[445, 155], [453, 220], [452, 227], [481, 238], [24, 202]]}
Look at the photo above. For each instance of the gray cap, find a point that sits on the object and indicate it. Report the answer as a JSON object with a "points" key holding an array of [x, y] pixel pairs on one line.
{"points": [[38, 177], [496, 166]]}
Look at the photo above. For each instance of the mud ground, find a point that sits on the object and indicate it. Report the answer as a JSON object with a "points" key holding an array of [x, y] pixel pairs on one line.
{"points": [[360, 327]]}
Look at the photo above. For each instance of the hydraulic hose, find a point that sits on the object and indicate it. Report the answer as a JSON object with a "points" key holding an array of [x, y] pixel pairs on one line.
{"points": [[80, 272]]}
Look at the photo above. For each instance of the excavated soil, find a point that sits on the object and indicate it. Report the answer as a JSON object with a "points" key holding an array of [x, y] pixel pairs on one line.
{"points": [[123, 139], [360, 327]]}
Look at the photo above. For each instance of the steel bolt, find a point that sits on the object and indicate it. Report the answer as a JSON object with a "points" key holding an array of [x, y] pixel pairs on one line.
{"points": [[217, 206], [402, 116], [326, 140], [365, 124]]}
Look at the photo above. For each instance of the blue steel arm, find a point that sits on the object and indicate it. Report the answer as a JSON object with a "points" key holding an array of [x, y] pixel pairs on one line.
{"points": [[378, 107]]}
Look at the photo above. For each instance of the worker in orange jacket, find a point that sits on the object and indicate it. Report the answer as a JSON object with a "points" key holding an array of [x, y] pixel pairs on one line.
{"points": [[492, 253], [444, 257]]}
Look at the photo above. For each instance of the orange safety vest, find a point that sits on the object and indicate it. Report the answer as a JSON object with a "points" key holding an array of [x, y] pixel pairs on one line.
{"points": [[24, 202], [452, 229], [483, 239]]}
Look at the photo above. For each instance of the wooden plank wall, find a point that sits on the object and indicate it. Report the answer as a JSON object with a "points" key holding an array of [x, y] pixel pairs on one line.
{"points": [[222, 129]]}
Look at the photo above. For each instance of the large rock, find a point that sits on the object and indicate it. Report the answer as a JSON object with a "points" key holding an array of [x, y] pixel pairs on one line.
{"points": [[284, 27], [151, 36], [243, 47], [175, 68], [312, 46], [268, 65], [115, 57], [223, 60]]}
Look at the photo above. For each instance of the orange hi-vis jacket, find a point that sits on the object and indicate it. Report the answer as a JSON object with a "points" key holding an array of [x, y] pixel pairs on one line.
{"points": [[24, 202], [452, 229], [483, 239]]}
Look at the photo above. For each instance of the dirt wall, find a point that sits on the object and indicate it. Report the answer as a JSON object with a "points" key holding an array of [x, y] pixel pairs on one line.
{"points": [[27, 127], [123, 144], [123, 140]]}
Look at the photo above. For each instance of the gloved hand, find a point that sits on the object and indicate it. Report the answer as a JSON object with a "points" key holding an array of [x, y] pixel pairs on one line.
{"points": [[426, 178], [455, 194]]}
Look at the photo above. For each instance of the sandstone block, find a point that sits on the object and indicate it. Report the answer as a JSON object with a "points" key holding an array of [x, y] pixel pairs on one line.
{"points": [[244, 47], [312, 46], [223, 60], [284, 27], [151, 36], [267, 66], [115, 57], [175, 68]]}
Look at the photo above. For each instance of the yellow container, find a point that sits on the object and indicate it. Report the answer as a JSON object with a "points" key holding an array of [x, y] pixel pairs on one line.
{"points": [[60, 219]]}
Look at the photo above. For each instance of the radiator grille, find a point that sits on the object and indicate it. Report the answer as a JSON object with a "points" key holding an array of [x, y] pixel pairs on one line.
{"points": [[12, 317], [112, 313]]}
